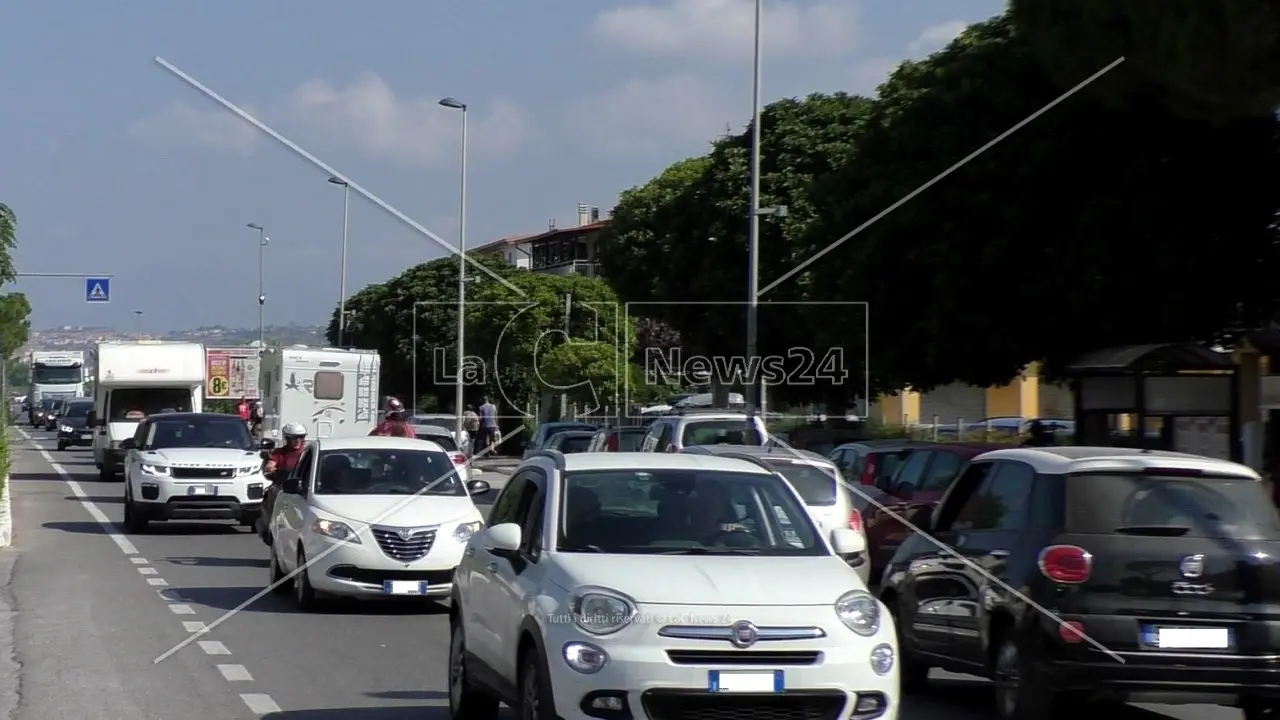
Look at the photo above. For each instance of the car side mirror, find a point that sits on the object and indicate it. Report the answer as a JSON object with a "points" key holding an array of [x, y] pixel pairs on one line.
{"points": [[128, 444], [291, 486], [267, 445], [846, 541], [502, 539], [478, 487]]}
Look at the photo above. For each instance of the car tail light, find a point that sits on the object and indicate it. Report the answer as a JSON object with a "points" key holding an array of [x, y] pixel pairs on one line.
{"points": [[458, 458], [1066, 564], [869, 472], [613, 443], [1071, 632], [855, 521]]}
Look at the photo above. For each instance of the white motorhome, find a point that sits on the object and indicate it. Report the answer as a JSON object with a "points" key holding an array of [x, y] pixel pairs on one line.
{"points": [[332, 392], [57, 374], [135, 379]]}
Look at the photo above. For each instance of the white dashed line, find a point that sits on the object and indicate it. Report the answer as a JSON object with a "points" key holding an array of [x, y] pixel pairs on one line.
{"points": [[235, 673], [213, 647], [258, 703]]}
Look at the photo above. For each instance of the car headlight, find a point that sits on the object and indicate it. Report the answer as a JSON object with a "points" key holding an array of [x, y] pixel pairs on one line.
{"points": [[463, 532], [859, 611], [336, 530], [156, 470], [65, 428], [601, 611]]}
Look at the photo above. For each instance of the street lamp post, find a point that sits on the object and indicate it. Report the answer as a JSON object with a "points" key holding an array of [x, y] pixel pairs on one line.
{"points": [[262, 297], [462, 262], [414, 369], [753, 229], [342, 292]]}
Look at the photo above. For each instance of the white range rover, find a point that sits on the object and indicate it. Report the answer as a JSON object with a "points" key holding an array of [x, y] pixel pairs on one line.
{"points": [[630, 586], [191, 466]]}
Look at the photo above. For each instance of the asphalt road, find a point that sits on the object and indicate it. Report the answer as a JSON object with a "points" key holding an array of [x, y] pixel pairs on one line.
{"points": [[95, 608]]}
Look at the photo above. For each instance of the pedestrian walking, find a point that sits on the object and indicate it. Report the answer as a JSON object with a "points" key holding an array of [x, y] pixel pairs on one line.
{"points": [[471, 426], [489, 434]]}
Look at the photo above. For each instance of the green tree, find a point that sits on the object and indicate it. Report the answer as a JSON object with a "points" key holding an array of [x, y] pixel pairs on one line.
{"points": [[18, 375], [15, 323], [1095, 225], [8, 243], [1207, 59]]}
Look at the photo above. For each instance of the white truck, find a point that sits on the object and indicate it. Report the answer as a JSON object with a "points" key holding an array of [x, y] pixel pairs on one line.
{"points": [[54, 374], [133, 380], [332, 392]]}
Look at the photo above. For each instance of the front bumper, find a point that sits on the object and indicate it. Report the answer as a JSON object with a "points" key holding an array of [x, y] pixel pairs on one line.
{"points": [[663, 678], [214, 508], [363, 570], [75, 437]]}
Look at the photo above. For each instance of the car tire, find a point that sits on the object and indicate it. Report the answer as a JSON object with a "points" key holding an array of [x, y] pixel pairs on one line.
{"points": [[61, 446], [303, 594], [1018, 693], [535, 698], [466, 702], [105, 474], [913, 675], [280, 582], [135, 521]]}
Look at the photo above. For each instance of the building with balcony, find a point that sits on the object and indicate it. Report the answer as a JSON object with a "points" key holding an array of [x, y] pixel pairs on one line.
{"points": [[557, 251], [514, 249]]}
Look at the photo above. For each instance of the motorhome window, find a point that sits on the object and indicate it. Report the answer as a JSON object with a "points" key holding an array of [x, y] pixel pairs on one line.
{"points": [[133, 404], [328, 386], [56, 375], [222, 432]]}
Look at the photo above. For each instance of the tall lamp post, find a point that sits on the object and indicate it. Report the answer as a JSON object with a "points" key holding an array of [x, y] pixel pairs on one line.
{"points": [[753, 229], [262, 297], [414, 369], [462, 261], [342, 292]]}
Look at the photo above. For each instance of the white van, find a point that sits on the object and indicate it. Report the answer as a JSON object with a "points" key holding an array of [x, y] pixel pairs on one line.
{"points": [[133, 380], [332, 392]]}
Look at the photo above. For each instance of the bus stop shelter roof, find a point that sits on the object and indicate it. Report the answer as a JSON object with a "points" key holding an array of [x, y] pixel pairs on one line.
{"points": [[1168, 358]]}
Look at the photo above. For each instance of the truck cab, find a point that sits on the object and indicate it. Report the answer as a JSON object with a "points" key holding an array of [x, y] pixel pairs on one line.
{"points": [[54, 375], [332, 392]]}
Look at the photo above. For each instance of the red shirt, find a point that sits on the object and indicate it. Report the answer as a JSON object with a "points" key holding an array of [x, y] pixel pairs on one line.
{"points": [[286, 458], [243, 410], [393, 428]]}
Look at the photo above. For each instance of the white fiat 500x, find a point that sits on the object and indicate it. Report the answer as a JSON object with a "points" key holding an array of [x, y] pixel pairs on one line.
{"points": [[628, 585], [371, 517]]}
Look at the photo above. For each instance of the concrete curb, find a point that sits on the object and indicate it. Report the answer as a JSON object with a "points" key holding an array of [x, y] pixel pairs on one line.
{"points": [[6, 516]]}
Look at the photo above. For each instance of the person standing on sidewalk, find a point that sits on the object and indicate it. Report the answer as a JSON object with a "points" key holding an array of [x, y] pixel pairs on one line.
{"points": [[471, 426], [488, 425]]}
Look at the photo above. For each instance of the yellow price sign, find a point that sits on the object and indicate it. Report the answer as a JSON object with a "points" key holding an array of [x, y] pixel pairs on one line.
{"points": [[219, 386]]}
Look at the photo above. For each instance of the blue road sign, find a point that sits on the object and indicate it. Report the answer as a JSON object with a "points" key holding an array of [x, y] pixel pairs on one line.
{"points": [[97, 290]]}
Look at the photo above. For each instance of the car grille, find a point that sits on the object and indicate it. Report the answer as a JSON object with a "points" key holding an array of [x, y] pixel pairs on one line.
{"points": [[667, 705], [188, 473], [744, 657], [405, 549]]}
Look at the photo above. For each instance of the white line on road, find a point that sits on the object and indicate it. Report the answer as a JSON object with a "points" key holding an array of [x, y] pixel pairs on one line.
{"points": [[138, 561], [260, 704], [213, 647], [193, 626], [148, 571], [157, 582], [235, 673], [181, 609]]}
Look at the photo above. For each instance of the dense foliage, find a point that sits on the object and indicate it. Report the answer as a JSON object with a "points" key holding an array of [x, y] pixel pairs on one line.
{"points": [[14, 315]]}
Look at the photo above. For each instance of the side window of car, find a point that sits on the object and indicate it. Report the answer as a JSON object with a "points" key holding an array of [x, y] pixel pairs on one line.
{"points": [[302, 471], [1001, 503], [514, 500], [909, 477], [941, 472], [664, 437], [951, 516], [142, 436], [534, 522]]}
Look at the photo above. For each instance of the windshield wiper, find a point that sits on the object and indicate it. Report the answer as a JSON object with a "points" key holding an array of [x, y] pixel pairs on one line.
{"points": [[1154, 530], [712, 551]]}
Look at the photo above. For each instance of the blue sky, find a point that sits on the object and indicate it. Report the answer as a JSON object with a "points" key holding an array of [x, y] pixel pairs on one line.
{"points": [[115, 166]]}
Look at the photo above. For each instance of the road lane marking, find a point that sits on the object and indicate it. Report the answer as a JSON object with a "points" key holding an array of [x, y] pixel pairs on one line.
{"points": [[181, 609], [157, 582], [139, 561], [213, 647], [259, 703], [235, 673], [193, 626], [100, 517], [148, 571]]}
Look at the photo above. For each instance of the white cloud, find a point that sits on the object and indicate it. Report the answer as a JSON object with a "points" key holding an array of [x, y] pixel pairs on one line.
{"points": [[936, 37], [366, 115], [868, 74], [671, 115], [723, 30]]}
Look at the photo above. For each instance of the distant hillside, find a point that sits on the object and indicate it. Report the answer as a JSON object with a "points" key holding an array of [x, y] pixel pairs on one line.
{"points": [[78, 338]]}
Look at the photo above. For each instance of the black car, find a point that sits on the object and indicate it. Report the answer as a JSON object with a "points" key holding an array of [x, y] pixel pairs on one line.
{"points": [[1071, 574], [73, 428], [548, 429], [570, 441], [51, 416]]}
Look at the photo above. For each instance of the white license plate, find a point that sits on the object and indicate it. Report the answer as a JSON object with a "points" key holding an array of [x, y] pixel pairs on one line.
{"points": [[1194, 638], [202, 489], [404, 587], [742, 681]]}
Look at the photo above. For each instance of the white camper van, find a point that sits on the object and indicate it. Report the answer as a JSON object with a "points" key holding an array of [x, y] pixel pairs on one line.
{"points": [[135, 379], [331, 392]]}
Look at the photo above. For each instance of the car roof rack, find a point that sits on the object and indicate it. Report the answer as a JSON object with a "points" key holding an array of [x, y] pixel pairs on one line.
{"points": [[707, 410]]}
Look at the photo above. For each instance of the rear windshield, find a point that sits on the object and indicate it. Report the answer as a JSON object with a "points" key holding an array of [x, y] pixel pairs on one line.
{"points": [[1156, 505], [815, 484], [575, 443], [728, 431], [630, 440]]}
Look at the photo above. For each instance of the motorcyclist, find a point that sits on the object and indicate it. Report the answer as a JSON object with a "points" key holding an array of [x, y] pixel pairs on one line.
{"points": [[279, 463], [393, 423]]}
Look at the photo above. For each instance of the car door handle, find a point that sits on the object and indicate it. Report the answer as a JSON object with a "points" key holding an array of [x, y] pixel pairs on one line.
{"points": [[999, 553], [491, 566]]}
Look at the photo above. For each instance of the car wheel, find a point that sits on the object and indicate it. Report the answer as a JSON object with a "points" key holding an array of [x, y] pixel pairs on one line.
{"points": [[61, 446], [135, 522], [535, 689], [1018, 694], [105, 474], [465, 701], [912, 674], [281, 583], [303, 593]]}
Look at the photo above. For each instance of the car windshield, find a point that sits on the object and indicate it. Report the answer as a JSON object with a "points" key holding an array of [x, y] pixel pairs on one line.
{"points": [[630, 440], [683, 512], [388, 472], [1220, 508], [55, 405], [134, 404], [211, 432], [724, 431], [80, 409], [815, 483], [56, 374]]}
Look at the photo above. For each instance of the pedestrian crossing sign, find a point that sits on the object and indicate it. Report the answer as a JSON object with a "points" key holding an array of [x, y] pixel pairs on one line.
{"points": [[97, 290]]}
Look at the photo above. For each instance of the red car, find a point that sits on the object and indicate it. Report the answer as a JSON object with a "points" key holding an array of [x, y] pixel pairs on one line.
{"points": [[913, 491]]}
